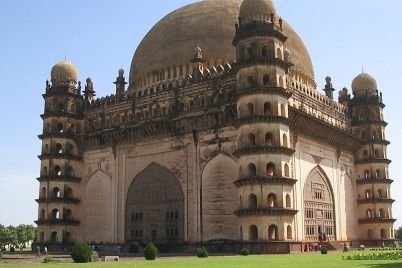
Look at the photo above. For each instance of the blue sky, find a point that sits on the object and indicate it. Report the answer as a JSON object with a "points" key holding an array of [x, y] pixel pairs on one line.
{"points": [[342, 37]]}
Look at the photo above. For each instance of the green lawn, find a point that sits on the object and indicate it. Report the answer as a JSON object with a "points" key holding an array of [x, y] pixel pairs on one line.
{"points": [[293, 261]]}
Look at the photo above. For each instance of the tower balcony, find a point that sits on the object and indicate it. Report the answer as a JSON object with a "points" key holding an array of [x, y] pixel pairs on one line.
{"points": [[377, 221], [274, 211], [258, 180], [253, 119], [67, 135], [375, 200], [49, 114], [58, 222], [66, 178], [362, 122], [65, 200], [373, 160], [262, 89], [244, 63], [55, 155], [373, 180], [264, 149]]}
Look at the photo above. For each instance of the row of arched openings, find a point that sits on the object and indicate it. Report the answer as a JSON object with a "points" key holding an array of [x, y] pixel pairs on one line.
{"points": [[270, 170], [55, 214], [383, 234], [57, 171], [272, 201], [54, 237], [273, 233], [269, 139], [381, 214], [268, 110], [56, 193]]}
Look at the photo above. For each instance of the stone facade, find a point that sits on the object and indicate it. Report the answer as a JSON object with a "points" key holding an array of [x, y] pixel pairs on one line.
{"points": [[247, 151]]}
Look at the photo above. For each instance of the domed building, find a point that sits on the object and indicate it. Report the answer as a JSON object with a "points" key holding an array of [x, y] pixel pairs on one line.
{"points": [[219, 138]]}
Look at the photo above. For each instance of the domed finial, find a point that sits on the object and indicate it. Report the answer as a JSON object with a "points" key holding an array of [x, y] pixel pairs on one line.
{"points": [[364, 84], [64, 72], [121, 72], [328, 79], [251, 10]]}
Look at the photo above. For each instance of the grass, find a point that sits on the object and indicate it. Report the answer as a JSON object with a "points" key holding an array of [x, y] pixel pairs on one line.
{"points": [[294, 261]]}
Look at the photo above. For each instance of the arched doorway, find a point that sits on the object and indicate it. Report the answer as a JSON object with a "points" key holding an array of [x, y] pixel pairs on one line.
{"points": [[155, 207], [319, 209]]}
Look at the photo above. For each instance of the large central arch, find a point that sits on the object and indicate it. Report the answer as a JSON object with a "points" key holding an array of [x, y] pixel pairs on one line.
{"points": [[155, 207], [319, 208]]}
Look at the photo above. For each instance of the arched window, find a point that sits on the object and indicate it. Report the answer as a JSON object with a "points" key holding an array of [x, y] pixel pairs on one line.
{"points": [[253, 233], [267, 108], [57, 171], [44, 171], [283, 110], [281, 83], [250, 108], [61, 107], [366, 174], [72, 108], [289, 232], [374, 136], [249, 52], [252, 201], [370, 234], [42, 237], [269, 138], [285, 140], [252, 170], [369, 214], [288, 201], [70, 171], [251, 139], [59, 148], [67, 237], [68, 215], [241, 232], [377, 153], [363, 135], [68, 193], [365, 154], [53, 237], [378, 174], [240, 202], [383, 234], [279, 53], [60, 128], [270, 169], [43, 193], [46, 148], [272, 203], [42, 214], [286, 169], [380, 194], [368, 194], [381, 213], [55, 214], [273, 232], [56, 192], [265, 80], [264, 51]]}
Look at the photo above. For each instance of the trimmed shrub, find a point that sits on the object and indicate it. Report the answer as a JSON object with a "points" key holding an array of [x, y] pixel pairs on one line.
{"points": [[324, 251], [244, 252], [12, 249], [81, 252], [150, 252], [202, 252]]}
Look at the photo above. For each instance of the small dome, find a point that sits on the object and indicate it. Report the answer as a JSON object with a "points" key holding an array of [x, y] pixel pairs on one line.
{"points": [[63, 72], [364, 83], [254, 8]]}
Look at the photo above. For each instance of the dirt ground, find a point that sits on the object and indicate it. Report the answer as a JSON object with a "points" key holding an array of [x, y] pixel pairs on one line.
{"points": [[29, 258]]}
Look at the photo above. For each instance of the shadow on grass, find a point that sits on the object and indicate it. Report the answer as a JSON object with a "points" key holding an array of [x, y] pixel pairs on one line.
{"points": [[385, 265]]}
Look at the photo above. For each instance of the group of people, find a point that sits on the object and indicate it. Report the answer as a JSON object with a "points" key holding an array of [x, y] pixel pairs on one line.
{"points": [[39, 252], [312, 247]]}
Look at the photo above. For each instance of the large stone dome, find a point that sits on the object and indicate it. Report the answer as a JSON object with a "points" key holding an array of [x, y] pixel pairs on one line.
{"points": [[64, 72], [364, 84], [209, 24]]}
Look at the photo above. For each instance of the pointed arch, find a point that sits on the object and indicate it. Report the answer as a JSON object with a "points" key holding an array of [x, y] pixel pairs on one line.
{"points": [[319, 196], [218, 219], [154, 192]]}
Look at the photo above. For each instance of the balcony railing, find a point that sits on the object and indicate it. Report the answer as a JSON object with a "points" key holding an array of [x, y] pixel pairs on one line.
{"points": [[274, 211]]}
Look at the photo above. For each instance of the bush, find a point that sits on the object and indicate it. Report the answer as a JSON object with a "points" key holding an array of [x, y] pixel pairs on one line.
{"points": [[324, 251], [244, 252], [202, 252], [150, 252], [12, 249], [81, 252], [1, 255]]}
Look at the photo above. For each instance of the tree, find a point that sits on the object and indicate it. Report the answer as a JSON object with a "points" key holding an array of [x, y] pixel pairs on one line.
{"points": [[398, 233]]}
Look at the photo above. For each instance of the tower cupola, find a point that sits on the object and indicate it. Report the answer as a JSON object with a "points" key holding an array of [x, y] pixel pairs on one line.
{"points": [[64, 72]]}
